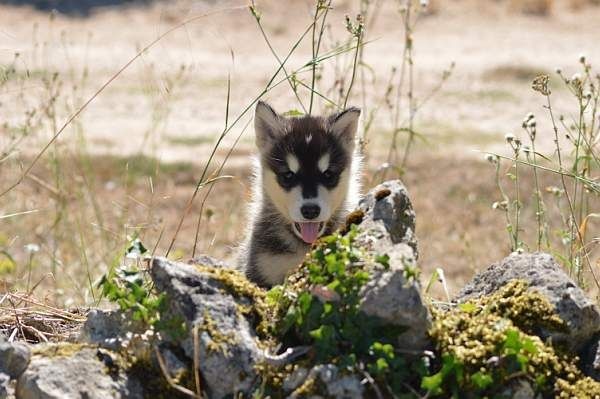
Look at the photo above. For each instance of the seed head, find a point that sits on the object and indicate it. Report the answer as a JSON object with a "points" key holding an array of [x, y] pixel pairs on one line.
{"points": [[540, 84], [509, 137]]}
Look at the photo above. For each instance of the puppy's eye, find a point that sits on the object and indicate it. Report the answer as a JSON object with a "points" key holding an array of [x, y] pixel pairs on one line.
{"points": [[328, 175], [288, 176]]}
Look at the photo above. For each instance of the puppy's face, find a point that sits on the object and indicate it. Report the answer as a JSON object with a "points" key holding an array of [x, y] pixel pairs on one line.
{"points": [[306, 165]]}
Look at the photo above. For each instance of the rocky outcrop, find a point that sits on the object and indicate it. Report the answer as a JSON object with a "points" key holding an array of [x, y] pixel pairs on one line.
{"points": [[73, 371], [227, 345], [544, 275], [393, 294], [14, 358]]}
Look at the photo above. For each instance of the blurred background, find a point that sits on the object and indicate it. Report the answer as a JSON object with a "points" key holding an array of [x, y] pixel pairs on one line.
{"points": [[440, 83]]}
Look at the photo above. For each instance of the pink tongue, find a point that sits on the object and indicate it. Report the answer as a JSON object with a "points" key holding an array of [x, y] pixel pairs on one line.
{"points": [[309, 231]]}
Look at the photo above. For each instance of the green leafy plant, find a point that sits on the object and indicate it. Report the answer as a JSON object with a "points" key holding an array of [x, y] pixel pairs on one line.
{"points": [[486, 344], [320, 307], [132, 289]]}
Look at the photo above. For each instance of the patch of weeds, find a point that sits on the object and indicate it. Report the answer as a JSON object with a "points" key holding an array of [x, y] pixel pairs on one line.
{"points": [[132, 289], [320, 306], [487, 343]]}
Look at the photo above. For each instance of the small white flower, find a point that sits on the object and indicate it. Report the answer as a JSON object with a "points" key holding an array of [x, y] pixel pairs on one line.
{"points": [[31, 248], [110, 185], [424, 3], [383, 166], [509, 137], [576, 77]]}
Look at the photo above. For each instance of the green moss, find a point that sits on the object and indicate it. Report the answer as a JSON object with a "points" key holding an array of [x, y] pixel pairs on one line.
{"points": [[485, 343], [62, 349], [307, 388], [219, 341], [255, 303]]}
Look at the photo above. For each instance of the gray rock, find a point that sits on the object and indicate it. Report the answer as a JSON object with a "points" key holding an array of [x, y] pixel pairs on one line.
{"points": [[389, 215], [391, 294], [519, 389], [5, 388], [547, 277], [591, 359], [336, 383], [14, 357], [84, 373], [227, 359], [111, 329]]}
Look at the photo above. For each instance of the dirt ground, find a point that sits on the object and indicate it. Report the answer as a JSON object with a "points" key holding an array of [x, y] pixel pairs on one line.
{"points": [[129, 163]]}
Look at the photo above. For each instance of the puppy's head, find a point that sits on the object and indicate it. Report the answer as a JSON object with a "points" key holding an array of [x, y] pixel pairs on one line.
{"points": [[306, 165]]}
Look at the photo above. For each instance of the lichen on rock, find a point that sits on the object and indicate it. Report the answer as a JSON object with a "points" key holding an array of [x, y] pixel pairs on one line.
{"points": [[486, 342]]}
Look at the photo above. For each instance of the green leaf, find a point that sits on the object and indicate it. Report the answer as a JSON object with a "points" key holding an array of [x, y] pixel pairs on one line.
{"points": [[135, 249], [383, 260], [433, 384], [482, 380]]}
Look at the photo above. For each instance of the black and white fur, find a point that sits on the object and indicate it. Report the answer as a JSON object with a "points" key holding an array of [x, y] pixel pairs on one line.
{"points": [[306, 175]]}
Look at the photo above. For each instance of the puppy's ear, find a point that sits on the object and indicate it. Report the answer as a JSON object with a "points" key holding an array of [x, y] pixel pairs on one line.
{"points": [[344, 125], [268, 125]]}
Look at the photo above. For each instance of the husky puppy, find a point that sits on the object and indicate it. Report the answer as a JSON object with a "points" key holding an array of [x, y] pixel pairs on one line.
{"points": [[306, 182]]}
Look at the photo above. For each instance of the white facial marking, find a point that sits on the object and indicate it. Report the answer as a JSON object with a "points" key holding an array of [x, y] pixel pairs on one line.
{"points": [[292, 163], [308, 138], [289, 203], [323, 162]]}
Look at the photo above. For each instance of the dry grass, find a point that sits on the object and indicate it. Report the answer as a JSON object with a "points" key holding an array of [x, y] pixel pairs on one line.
{"points": [[26, 318]]}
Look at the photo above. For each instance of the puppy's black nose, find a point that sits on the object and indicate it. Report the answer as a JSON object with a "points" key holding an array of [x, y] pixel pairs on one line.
{"points": [[310, 211]]}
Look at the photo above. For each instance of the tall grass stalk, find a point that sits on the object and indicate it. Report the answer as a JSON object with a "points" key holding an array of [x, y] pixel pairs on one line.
{"points": [[575, 158], [112, 78]]}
